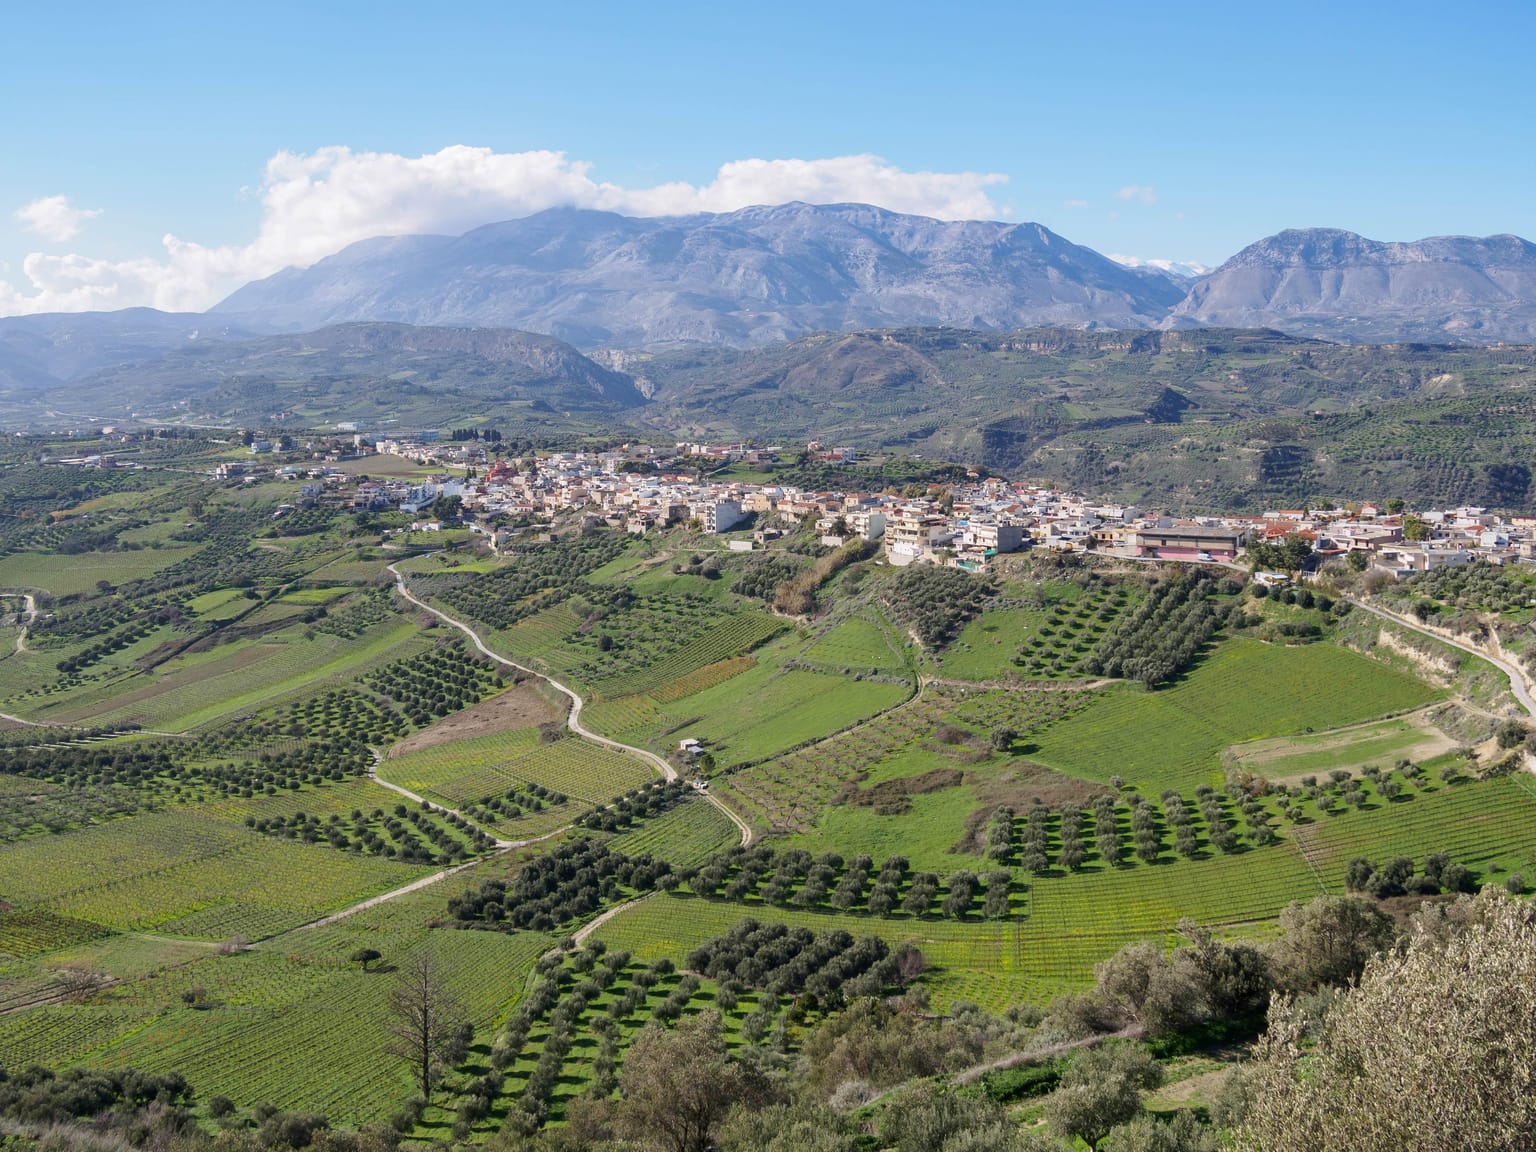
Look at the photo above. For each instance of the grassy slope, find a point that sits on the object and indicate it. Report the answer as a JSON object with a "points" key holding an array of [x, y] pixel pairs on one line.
{"points": [[1245, 690]]}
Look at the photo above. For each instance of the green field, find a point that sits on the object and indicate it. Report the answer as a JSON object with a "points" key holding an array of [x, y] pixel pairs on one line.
{"points": [[1070, 923], [987, 646], [1245, 690], [283, 1023], [858, 643], [462, 772], [191, 691], [180, 873], [782, 711], [1482, 825], [684, 835], [66, 575], [1381, 743]]}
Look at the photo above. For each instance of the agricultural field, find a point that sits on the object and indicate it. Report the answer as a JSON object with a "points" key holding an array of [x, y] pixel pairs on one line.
{"points": [[1245, 690], [684, 836], [864, 643], [1288, 758], [1006, 793], [472, 773], [181, 874], [787, 710], [196, 690], [68, 575]]}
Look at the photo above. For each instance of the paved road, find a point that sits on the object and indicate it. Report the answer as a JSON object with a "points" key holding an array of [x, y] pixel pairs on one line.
{"points": [[573, 720]]}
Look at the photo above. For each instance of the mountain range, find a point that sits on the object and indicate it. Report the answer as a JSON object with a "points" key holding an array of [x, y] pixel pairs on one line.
{"points": [[1312, 361], [768, 275], [745, 279]]}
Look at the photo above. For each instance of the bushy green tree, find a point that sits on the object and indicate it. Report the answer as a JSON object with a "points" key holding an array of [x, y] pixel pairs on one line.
{"points": [[1100, 1091], [1434, 1049]]}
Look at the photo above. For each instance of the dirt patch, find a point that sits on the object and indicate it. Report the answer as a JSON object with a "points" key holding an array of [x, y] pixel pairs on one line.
{"points": [[892, 797], [1351, 743], [519, 707], [1018, 786]]}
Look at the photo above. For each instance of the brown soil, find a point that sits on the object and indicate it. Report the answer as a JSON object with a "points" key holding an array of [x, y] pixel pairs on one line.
{"points": [[1017, 787], [519, 707], [890, 797]]}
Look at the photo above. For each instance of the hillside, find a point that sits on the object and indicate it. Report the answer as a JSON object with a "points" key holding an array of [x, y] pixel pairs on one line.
{"points": [[1205, 419], [746, 278], [367, 373], [249, 788], [38, 353], [1337, 285], [1208, 419]]}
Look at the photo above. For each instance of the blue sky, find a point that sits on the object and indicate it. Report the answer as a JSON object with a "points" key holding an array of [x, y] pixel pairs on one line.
{"points": [[1178, 132]]}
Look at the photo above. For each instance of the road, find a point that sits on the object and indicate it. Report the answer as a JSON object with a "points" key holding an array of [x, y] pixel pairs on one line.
{"points": [[573, 719], [31, 614], [1518, 684], [373, 774]]}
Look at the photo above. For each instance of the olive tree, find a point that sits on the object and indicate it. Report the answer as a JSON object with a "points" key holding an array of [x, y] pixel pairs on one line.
{"points": [[1100, 1091], [678, 1086], [1433, 1049]]}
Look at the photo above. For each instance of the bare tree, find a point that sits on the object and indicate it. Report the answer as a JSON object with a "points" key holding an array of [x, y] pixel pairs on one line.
{"points": [[78, 984], [427, 1023]]}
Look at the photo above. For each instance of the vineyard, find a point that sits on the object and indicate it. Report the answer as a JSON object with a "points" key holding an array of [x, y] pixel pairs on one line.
{"points": [[685, 835], [1173, 738], [181, 874]]}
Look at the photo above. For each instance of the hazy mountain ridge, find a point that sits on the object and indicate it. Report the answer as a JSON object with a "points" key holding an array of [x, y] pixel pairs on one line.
{"points": [[1338, 285], [748, 278], [50, 348], [362, 373]]}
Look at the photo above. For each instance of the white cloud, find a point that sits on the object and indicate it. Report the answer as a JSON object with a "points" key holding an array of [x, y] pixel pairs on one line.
{"points": [[54, 217], [317, 203], [1142, 192], [1074, 203]]}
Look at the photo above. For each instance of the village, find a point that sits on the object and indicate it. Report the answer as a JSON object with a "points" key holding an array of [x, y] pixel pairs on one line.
{"points": [[642, 488]]}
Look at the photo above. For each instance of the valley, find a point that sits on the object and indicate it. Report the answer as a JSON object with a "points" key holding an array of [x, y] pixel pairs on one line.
{"points": [[254, 734]]}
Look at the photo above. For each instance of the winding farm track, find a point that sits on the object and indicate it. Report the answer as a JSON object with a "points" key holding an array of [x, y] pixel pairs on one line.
{"points": [[573, 719], [31, 614]]}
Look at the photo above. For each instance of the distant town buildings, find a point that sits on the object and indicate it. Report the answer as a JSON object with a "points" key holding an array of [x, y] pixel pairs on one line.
{"points": [[967, 524]]}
